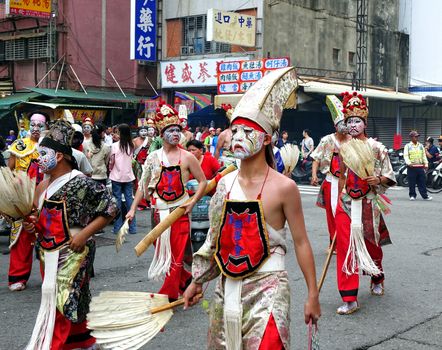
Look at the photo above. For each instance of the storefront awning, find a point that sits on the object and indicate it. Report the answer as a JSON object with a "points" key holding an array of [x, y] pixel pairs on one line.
{"points": [[7, 103], [67, 105], [336, 89]]}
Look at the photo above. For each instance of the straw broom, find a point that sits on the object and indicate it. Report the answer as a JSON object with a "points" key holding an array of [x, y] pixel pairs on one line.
{"points": [[358, 156], [121, 235], [16, 193], [156, 232], [128, 320]]}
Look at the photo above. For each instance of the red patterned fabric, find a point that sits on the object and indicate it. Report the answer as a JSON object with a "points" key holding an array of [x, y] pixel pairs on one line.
{"points": [[69, 336], [335, 165], [51, 226], [170, 186], [355, 186], [20, 258]]}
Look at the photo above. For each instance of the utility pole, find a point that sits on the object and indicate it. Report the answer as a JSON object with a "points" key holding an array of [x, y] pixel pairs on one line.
{"points": [[361, 45]]}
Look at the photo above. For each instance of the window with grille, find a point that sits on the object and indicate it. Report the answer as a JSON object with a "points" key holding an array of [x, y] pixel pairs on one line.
{"points": [[26, 48], [194, 40]]}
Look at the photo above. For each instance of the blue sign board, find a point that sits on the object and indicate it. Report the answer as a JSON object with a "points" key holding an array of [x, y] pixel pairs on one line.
{"points": [[143, 30]]}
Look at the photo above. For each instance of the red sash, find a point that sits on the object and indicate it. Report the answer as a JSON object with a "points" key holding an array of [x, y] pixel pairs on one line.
{"points": [[335, 165], [355, 186], [52, 225], [170, 187], [142, 155]]}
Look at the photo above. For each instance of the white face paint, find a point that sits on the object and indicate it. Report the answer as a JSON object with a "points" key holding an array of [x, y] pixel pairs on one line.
{"points": [[183, 123], [341, 128], [150, 132], [47, 159], [142, 133], [37, 126], [172, 135], [246, 141], [355, 126], [87, 129]]}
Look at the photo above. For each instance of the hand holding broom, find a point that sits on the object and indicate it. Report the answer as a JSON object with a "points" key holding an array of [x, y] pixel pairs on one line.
{"points": [[156, 232]]}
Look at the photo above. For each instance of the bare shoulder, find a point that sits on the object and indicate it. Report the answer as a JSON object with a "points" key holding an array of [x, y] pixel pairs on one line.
{"points": [[285, 184], [41, 187]]}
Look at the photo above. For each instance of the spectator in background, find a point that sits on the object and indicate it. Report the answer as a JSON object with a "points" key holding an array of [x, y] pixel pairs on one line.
{"points": [[108, 136], [98, 155], [198, 133], [121, 174], [11, 138], [431, 152], [283, 139], [416, 160], [208, 163], [307, 145], [204, 133], [208, 141], [115, 134]]}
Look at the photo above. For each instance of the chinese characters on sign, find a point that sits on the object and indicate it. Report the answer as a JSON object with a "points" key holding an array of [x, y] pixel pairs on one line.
{"points": [[238, 76], [81, 114], [231, 28], [31, 8], [143, 30], [194, 72]]}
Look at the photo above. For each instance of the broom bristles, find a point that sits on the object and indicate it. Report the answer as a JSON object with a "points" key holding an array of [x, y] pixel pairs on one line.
{"points": [[290, 155], [121, 236], [122, 320], [16, 193], [358, 156]]}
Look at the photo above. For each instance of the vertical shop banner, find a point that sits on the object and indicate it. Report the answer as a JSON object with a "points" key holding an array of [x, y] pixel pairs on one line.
{"points": [[29, 8], [143, 30]]}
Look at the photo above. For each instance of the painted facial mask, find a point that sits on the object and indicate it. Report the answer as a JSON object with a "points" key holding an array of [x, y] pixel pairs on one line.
{"points": [[246, 141], [183, 123], [355, 126], [142, 133], [150, 132], [172, 135], [341, 128], [47, 159], [87, 129], [37, 127]]}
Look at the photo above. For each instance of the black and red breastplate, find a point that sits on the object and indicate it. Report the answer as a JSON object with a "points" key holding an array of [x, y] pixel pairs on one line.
{"points": [[335, 165], [170, 186], [356, 187]]}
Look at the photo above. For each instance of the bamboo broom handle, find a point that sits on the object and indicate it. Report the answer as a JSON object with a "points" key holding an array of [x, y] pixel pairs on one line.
{"points": [[327, 263], [156, 232], [169, 306]]}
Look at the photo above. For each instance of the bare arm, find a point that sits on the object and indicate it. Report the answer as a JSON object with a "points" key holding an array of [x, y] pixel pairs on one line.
{"points": [[315, 167], [293, 212], [219, 145], [198, 174], [79, 240]]}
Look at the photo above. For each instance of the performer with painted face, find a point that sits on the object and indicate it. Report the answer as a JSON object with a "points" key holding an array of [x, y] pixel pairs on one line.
{"points": [[165, 172], [72, 207], [24, 154], [360, 227], [186, 135], [246, 242], [326, 159], [87, 127]]}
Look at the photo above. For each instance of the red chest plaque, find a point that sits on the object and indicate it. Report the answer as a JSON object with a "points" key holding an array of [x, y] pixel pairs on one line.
{"points": [[243, 242], [355, 186], [170, 186], [52, 227], [142, 155], [335, 165]]}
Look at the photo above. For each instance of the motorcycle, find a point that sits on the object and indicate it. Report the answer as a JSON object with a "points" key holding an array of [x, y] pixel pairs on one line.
{"points": [[436, 177], [302, 173], [402, 178]]}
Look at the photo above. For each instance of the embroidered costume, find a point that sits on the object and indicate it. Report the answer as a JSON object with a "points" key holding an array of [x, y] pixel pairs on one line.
{"points": [[163, 182], [327, 155], [66, 206], [251, 303], [360, 209], [21, 242]]}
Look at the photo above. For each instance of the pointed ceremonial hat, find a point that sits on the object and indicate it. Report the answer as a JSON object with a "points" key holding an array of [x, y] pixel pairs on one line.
{"points": [[265, 101]]}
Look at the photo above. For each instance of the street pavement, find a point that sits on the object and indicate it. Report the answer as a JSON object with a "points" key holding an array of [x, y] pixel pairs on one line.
{"points": [[407, 317]]}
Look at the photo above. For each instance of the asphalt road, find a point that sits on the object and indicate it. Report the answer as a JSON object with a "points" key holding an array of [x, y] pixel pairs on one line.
{"points": [[408, 317]]}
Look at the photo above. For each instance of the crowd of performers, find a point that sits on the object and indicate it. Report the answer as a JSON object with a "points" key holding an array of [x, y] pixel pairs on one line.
{"points": [[252, 211]]}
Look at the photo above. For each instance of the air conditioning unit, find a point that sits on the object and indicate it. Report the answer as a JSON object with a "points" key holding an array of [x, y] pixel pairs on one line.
{"points": [[187, 50]]}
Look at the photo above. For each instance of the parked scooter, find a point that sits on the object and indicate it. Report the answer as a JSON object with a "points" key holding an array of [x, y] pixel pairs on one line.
{"points": [[302, 174], [436, 177]]}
